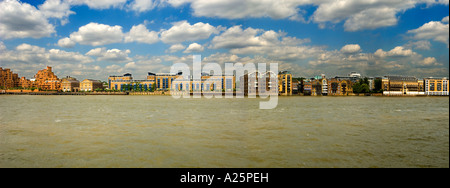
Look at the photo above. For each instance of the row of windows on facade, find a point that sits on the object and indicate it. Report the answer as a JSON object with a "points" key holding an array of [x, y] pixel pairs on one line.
{"points": [[229, 85], [440, 87]]}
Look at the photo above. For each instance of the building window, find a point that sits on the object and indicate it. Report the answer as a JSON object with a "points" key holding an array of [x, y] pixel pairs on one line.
{"points": [[229, 84], [432, 87]]}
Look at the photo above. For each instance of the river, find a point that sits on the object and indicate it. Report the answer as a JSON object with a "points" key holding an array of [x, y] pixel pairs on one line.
{"points": [[159, 131]]}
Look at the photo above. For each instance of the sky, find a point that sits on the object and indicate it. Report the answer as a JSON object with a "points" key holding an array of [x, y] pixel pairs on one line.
{"points": [[94, 39]]}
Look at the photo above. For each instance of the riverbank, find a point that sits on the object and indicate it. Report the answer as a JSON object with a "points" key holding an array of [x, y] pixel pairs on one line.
{"points": [[167, 93], [60, 93]]}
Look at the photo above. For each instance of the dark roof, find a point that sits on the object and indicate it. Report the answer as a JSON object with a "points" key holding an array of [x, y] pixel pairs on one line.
{"points": [[402, 78]]}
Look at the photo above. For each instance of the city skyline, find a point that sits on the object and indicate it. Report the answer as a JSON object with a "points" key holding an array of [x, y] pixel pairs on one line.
{"points": [[97, 39]]}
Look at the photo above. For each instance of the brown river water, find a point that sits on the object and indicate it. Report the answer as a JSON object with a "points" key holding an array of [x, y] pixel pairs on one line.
{"points": [[159, 131]]}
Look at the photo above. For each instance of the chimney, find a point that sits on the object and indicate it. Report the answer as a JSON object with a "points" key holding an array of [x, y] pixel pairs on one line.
{"points": [[49, 69]]}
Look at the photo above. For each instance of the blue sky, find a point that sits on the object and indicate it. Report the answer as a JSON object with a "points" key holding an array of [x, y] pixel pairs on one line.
{"points": [[96, 39]]}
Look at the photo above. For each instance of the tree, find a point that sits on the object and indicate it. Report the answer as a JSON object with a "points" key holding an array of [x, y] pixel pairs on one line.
{"points": [[153, 86], [361, 88], [378, 86]]}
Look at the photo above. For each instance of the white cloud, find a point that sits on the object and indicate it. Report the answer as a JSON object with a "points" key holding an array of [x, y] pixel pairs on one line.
{"points": [[445, 20], [357, 14], [27, 59], [95, 34], [420, 45], [30, 49], [237, 9], [66, 43], [361, 15], [270, 43], [114, 55], [21, 20], [371, 19], [351, 49], [398, 51], [175, 48], [193, 48], [183, 31], [2, 46], [222, 58], [236, 37], [56, 55], [141, 34], [429, 61], [56, 9], [143, 5], [99, 4], [433, 30]]}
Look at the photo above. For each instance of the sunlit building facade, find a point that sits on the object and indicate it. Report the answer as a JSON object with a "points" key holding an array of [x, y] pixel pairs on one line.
{"points": [[8, 79], [339, 87], [436, 86], [285, 83], [47, 80], [90, 85], [402, 85], [70, 84]]}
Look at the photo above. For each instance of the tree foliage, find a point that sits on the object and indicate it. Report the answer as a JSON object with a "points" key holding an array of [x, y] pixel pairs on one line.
{"points": [[362, 86]]}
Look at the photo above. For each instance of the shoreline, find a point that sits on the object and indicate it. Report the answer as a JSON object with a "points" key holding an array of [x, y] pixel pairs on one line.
{"points": [[160, 93]]}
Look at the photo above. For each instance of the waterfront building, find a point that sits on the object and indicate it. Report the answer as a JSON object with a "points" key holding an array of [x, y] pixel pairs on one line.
{"points": [[353, 77], [118, 81], [307, 87], [8, 79], [164, 80], [295, 87], [339, 87], [255, 84], [316, 87], [70, 84], [90, 85], [26, 83], [402, 85], [208, 83], [319, 86], [436, 86], [127, 83], [47, 80], [285, 83]]}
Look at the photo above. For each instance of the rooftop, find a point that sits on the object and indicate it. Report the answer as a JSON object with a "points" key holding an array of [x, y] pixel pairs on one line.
{"points": [[402, 78]]}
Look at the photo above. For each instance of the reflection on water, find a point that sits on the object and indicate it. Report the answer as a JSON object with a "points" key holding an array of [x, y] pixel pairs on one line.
{"points": [[158, 131]]}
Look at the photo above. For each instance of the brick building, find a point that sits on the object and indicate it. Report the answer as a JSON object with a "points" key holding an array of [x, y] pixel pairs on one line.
{"points": [[8, 79], [26, 83], [339, 87], [47, 80]]}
